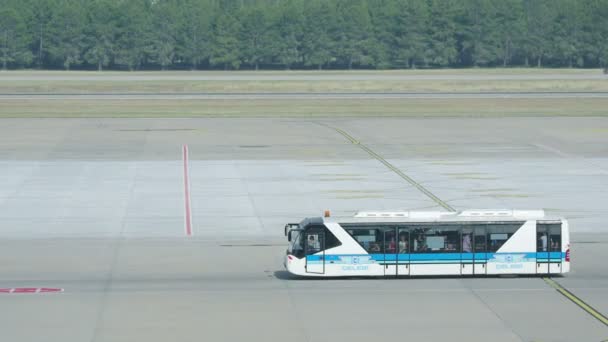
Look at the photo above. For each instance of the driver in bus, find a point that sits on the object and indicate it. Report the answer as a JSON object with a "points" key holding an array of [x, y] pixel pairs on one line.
{"points": [[313, 244]]}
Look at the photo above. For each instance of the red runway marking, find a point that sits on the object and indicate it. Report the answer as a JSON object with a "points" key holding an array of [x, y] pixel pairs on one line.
{"points": [[187, 209], [30, 290]]}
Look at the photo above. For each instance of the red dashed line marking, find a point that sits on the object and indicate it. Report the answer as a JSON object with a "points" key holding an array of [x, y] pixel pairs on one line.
{"points": [[187, 208], [30, 290]]}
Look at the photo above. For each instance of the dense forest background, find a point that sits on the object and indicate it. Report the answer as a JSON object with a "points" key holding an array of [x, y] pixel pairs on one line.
{"points": [[302, 34]]}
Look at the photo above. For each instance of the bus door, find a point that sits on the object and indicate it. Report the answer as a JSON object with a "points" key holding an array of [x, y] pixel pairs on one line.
{"points": [[390, 252], [314, 248], [467, 253], [548, 248], [542, 249], [480, 248], [555, 248], [403, 256]]}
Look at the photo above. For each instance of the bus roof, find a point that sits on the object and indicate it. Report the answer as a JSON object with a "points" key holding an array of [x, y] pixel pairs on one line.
{"points": [[443, 216]]}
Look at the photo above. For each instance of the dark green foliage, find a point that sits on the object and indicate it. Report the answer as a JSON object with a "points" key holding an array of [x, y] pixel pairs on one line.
{"points": [[14, 37], [66, 39], [135, 33], [225, 45], [302, 34]]}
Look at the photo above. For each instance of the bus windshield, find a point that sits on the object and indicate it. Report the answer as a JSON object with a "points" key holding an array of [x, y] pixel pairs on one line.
{"points": [[295, 246]]}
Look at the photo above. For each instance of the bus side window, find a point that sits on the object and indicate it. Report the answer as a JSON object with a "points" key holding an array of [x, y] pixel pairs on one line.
{"points": [[541, 241], [369, 239], [331, 240], [498, 234], [319, 238], [442, 239], [555, 238], [548, 237], [555, 241], [313, 243], [480, 239]]}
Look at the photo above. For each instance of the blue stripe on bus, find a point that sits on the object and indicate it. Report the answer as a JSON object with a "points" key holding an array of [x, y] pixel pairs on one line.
{"points": [[441, 257]]}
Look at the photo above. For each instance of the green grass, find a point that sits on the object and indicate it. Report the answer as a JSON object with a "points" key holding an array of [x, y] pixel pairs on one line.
{"points": [[323, 81], [180, 82], [306, 108], [186, 86]]}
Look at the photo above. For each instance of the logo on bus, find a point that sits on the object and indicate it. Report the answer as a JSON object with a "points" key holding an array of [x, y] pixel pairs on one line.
{"points": [[355, 259], [355, 268], [509, 261]]}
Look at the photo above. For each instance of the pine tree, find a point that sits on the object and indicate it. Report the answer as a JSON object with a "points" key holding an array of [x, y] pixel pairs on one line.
{"points": [[441, 31], [163, 36], [288, 33], [316, 41], [101, 33], [194, 32], [14, 39], [67, 33], [225, 50], [134, 36], [254, 34], [40, 24], [354, 33]]}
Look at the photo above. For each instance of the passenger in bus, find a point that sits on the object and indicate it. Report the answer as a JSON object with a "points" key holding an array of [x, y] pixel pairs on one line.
{"points": [[374, 247], [422, 247], [466, 243], [554, 245], [403, 244], [543, 242], [390, 248]]}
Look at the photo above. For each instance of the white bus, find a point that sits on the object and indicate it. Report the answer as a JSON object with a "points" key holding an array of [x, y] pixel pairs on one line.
{"points": [[466, 243]]}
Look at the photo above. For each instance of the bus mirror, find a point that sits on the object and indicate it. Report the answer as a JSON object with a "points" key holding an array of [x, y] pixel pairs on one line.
{"points": [[289, 236], [286, 226]]}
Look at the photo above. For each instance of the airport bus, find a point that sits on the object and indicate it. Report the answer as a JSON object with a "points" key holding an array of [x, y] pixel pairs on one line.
{"points": [[392, 244]]}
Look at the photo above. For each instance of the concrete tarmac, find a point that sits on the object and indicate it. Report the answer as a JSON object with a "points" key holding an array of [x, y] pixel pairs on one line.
{"points": [[96, 207], [300, 96]]}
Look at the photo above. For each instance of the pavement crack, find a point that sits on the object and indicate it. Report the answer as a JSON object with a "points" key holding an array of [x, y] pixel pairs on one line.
{"points": [[106, 291], [496, 314]]}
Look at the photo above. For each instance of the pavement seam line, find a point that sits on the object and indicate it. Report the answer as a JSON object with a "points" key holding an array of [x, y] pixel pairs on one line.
{"points": [[500, 318], [576, 300], [392, 168]]}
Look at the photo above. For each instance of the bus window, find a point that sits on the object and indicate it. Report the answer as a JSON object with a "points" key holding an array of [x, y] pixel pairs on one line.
{"points": [[331, 240], [390, 243], [467, 239], [403, 243], [296, 248], [439, 239], [541, 240], [314, 242], [319, 238], [555, 240], [498, 234], [549, 237], [479, 238], [370, 239]]}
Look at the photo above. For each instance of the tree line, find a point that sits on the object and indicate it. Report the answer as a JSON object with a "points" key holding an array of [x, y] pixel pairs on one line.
{"points": [[302, 34]]}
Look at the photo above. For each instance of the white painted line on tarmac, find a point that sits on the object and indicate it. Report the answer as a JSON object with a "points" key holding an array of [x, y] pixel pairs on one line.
{"points": [[552, 150], [187, 207]]}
